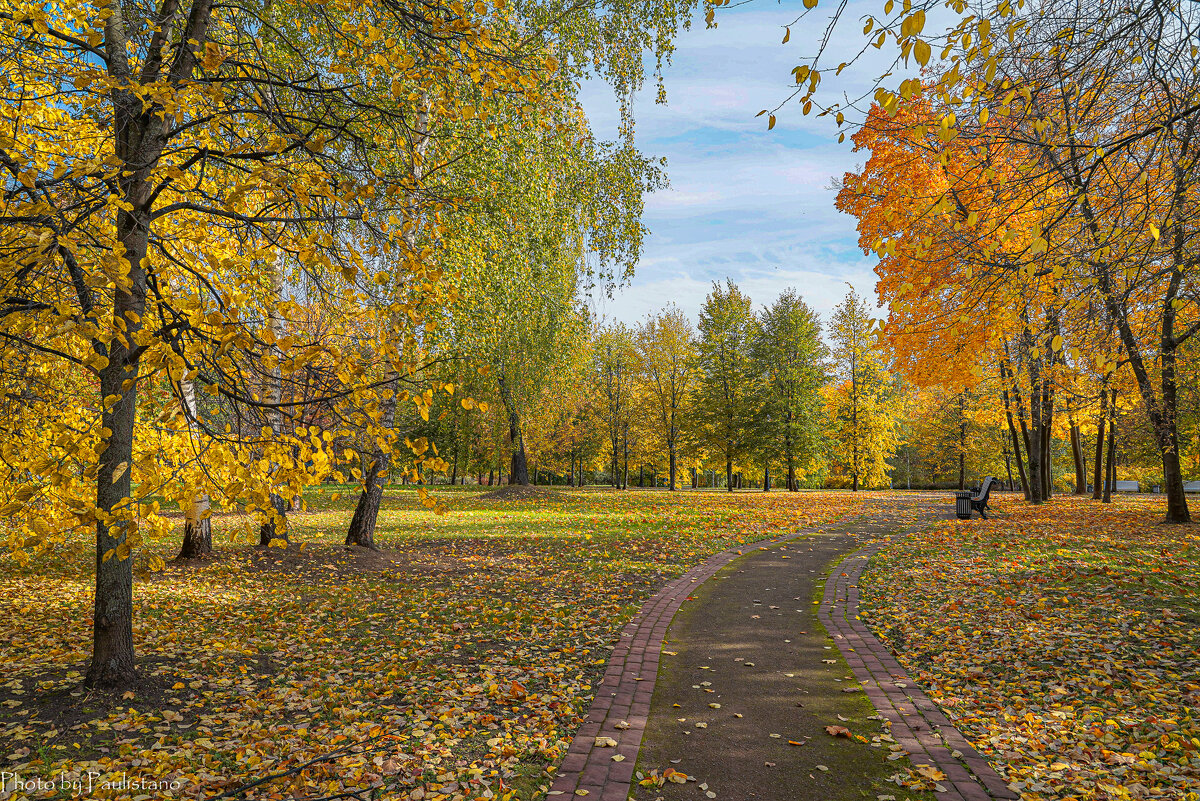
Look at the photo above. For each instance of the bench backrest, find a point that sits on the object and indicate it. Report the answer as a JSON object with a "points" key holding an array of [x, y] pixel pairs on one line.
{"points": [[986, 488]]}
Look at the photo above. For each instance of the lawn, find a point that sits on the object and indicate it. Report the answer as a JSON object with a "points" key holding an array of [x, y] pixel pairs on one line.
{"points": [[1061, 639], [453, 665]]}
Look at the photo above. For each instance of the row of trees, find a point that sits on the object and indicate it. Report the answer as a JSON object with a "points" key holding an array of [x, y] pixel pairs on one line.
{"points": [[225, 244], [742, 391], [1034, 209], [744, 395]]}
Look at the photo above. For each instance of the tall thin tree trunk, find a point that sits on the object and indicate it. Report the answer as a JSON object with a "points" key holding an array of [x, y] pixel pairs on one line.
{"points": [[787, 450], [1077, 456], [1047, 437], [112, 616], [1009, 382], [1110, 472], [672, 468], [275, 526], [729, 473], [1101, 422], [766, 476], [197, 523], [962, 441], [1034, 450], [625, 444]]}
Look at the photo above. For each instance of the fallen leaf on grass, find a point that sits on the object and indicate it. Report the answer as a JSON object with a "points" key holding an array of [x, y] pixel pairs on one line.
{"points": [[837, 731]]}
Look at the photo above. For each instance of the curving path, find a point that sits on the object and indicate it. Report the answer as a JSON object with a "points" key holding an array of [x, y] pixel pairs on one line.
{"points": [[748, 641]]}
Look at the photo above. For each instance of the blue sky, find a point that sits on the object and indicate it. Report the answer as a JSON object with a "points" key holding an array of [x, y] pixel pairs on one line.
{"points": [[744, 203]]}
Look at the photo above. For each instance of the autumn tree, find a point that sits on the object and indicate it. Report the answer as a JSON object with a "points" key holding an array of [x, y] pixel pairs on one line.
{"points": [[725, 386], [615, 368], [666, 344], [860, 397], [791, 359], [158, 140]]}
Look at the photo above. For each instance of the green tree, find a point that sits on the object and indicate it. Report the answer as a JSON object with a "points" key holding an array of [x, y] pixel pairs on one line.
{"points": [[615, 368], [667, 345], [725, 391], [861, 399], [791, 360]]}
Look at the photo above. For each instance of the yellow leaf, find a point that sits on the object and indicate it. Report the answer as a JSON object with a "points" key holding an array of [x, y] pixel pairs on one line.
{"points": [[922, 51], [1154, 232], [770, 122]]}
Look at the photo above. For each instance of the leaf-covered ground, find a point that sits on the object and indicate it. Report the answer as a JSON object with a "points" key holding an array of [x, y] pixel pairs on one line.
{"points": [[1062, 639], [467, 649]]}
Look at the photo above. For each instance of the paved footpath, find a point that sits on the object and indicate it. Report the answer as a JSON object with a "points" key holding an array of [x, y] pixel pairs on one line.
{"points": [[749, 681]]}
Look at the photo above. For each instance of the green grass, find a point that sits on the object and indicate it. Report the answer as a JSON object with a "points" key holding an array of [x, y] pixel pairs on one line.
{"points": [[470, 645]]}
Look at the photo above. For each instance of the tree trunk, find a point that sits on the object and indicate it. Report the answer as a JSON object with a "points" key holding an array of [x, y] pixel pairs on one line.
{"points": [[766, 477], [519, 473], [1047, 437], [1008, 468], [787, 452], [1034, 450], [642, 476], [962, 440], [197, 529], [361, 531], [366, 512], [491, 477], [695, 484], [625, 443], [1077, 456], [729, 474], [275, 525], [1006, 375], [112, 627], [672, 465], [197, 524], [1098, 471], [112, 617], [1110, 472]]}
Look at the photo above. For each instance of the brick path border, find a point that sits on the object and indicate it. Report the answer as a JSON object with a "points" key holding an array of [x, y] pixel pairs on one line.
{"points": [[624, 693], [623, 696], [917, 724]]}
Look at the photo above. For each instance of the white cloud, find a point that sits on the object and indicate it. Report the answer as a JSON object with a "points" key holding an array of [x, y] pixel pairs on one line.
{"points": [[744, 203]]}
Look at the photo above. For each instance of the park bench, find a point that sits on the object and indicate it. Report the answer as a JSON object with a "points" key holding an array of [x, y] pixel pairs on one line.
{"points": [[974, 500]]}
